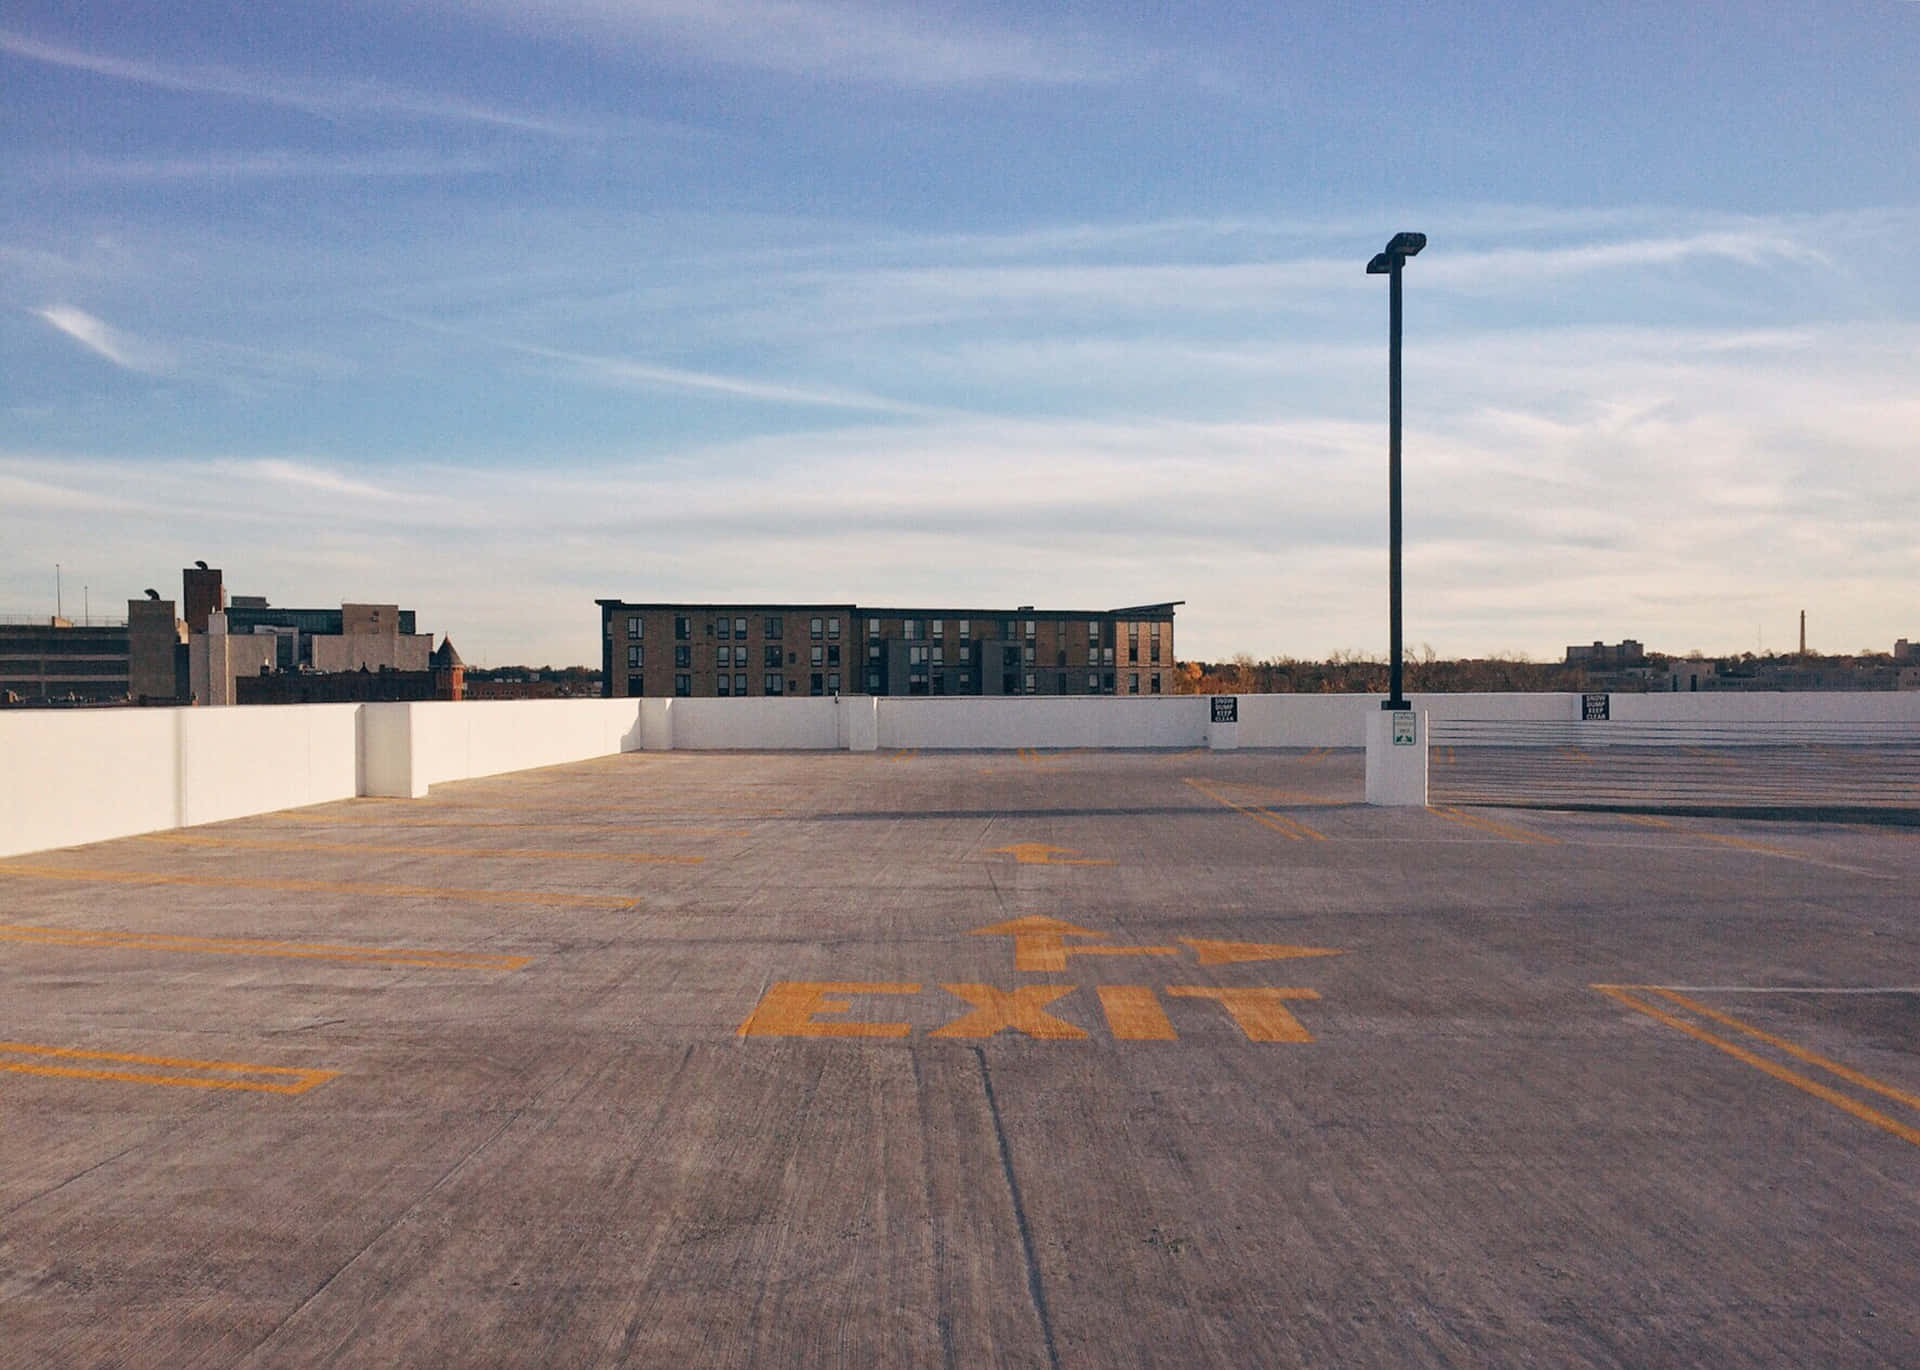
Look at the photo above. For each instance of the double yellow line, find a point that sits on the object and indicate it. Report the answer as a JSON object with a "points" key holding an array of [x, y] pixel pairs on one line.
{"points": [[1291, 828], [1474, 820], [1638, 998]]}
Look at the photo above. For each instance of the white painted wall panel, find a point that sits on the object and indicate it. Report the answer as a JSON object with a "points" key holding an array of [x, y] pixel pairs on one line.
{"points": [[84, 775], [240, 761], [756, 724]]}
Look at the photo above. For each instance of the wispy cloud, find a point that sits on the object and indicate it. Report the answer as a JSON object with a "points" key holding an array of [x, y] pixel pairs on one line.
{"points": [[103, 340], [886, 44], [350, 99], [279, 164]]}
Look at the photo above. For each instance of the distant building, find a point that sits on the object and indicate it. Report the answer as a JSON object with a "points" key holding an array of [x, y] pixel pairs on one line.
{"points": [[56, 662], [1904, 650], [1602, 657], [721, 650]]}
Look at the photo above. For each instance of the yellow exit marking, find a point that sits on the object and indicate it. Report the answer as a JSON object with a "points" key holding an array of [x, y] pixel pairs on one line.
{"points": [[1229, 953], [794, 1008], [594, 901], [1630, 996], [1040, 944], [115, 1066], [246, 946], [387, 849], [1023, 1010], [1040, 854]]}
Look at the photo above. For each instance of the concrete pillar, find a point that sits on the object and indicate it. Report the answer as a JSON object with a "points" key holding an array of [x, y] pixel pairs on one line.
{"points": [[1397, 770], [860, 722], [656, 724]]}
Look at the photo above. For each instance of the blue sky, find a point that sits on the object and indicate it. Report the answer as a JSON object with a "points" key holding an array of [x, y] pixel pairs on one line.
{"points": [[494, 307]]}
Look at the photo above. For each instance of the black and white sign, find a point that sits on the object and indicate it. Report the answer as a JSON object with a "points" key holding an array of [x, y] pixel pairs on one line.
{"points": [[1596, 708], [1226, 708]]}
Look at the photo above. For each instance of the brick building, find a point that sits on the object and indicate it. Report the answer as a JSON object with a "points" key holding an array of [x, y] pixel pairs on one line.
{"points": [[723, 650]]}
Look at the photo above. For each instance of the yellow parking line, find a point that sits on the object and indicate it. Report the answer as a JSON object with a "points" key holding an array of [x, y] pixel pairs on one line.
{"points": [[268, 844], [595, 901], [1645, 820], [247, 946], [1474, 820], [297, 1082], [1845, 1103], [1709, 757], [653, 830], [1799, 1053], [1291, 828]]}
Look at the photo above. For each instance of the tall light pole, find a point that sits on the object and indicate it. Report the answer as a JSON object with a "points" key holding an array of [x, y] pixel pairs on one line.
{"points": [[1388, 264]]}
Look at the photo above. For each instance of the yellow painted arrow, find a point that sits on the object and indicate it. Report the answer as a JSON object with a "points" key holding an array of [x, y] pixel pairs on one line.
{"points": [[1227, 953], [1040, 854], [1040, 944]]}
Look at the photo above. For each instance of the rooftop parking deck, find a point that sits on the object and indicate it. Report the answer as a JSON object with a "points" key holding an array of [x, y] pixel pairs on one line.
{"points": [[1085, 1059]]}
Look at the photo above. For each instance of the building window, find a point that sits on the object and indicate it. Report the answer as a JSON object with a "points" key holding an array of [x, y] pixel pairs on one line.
{"points": [[726, 629], [833, 682], [817, 657], [1106, 656], [634, 624], [966, 678], [1154, 648], [912, 630], [1093, 682], [938, 625], [1133, 682], [634, 658], [833, 628], [815, 627], [723, 656], [740, 686], [966, 627], [740, 629], [1007, 627], [773, 655], [773, 626], [939, 656], [1093, 632], [683, 656], [1029, 685], [818, 683], [1155, 682], [1028, 652], [873, 627], [775, 685], [1029, 627], [1106, 681], [633, 686], [721, 685], [683, 685], [833, 654], [873, 652], [873, 680], [682, 627]]}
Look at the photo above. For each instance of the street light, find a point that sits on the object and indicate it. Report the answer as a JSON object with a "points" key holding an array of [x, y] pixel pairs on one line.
{"points": [[1388, 264]]}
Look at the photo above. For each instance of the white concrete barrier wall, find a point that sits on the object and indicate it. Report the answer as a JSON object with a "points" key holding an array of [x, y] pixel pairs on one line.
{"points": [[756, 723], [1028, 721], [88, 775]]}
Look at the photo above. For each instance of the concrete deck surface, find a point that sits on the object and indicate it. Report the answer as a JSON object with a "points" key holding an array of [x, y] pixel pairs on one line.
{"points": [[733, 1060]]}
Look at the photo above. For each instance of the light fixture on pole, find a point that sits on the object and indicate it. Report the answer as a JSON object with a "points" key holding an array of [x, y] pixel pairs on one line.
{"points": [[1388, 264]]}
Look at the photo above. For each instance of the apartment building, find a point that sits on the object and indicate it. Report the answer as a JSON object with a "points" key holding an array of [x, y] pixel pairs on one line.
{"points": [[728, 650]]}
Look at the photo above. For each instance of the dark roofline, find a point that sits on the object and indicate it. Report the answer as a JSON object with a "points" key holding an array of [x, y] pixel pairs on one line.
{"points": [[917, 611]]}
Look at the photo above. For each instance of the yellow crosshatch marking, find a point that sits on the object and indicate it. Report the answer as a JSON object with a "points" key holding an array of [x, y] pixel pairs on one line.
{"points": [[1291, 828], [26, 1058], [391, 849], [241, 882], [246, 946], [1636, 997]]}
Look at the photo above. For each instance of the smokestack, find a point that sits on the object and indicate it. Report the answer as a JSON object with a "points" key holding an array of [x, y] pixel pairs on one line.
{"points": [[1803, 632]]}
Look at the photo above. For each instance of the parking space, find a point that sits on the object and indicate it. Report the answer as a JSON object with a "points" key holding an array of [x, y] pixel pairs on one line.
{"points": [[1031, 1058]]}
